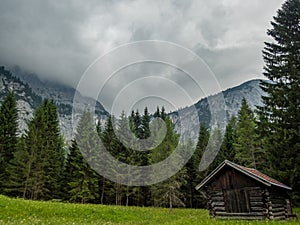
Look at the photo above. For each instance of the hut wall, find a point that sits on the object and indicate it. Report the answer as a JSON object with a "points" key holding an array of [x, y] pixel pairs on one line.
{"points": [[234, 195], [279, 205], [230, 178]]}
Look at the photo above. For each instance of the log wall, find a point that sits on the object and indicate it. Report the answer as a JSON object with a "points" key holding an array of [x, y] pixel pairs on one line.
{"points": [[233, 195]]}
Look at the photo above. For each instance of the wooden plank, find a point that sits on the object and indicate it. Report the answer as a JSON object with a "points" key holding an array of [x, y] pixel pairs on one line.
{"points": [[242, 217], [255, 204], [257, 193], [282, 209], [279, 218], [255, 198], [277, 205], [282, 202], [276, 214], [258, 209], [217, 199], [218, 204], [240, 214], [219, 209], [216, 193]]}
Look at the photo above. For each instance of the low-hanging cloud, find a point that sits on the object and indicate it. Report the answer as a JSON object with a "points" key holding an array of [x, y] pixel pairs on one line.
{"points": [[58, 40]]}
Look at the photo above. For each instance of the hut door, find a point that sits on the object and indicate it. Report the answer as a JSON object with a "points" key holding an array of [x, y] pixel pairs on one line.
{"points": [[236, 201]]}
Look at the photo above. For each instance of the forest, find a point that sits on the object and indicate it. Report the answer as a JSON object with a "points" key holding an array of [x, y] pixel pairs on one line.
{"points": [[39, 165]]}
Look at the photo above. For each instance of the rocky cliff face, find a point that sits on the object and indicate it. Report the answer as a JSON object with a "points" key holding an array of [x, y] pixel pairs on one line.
{"points": [[27, 100], [249, 90], [30, 91]]}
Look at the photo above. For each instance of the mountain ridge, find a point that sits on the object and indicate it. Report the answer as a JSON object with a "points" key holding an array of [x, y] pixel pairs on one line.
{"points": [[33, 90]]}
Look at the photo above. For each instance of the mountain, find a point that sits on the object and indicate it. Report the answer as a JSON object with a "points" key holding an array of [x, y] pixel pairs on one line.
{"points": [[249, 90], [27, 100], [30, 91]]}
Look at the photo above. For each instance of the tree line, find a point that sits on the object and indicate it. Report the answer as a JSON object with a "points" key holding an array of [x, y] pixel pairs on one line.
{"points": [[38, 165]]}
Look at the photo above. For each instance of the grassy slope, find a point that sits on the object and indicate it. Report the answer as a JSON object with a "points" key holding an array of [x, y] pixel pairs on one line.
{"points": [[17, 211]]}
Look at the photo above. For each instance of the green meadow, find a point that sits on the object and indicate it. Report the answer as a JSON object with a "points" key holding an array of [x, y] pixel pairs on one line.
{"points": [[18, 211]]}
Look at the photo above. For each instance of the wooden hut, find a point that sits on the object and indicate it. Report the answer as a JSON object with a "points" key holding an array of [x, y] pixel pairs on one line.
{"points": [[234, 191]]}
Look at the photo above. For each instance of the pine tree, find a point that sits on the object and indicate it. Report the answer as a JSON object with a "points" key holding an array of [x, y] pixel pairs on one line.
{"points": [[39, 157], [168, 193], [109, 138], [245, 145], [216, 137], [138, 125], [17, 170], [84, 187], [194, 198], [163, 113], [145, 124], [36, 178], [157, 113], [126, 155], [8, 135], [280, 115], [74, 158], [112, 192], [227, 151], [55, 150]]}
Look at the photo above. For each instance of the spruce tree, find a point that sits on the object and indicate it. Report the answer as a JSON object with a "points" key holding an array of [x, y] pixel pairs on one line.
{"points": [[138, 125], [36, 178], [216, 140], [169, 192], [280, 115], [194, 198], [227, 150], [74, 158], [39, 157], [157, 113], [126, 155], [145, 124], [55, 150], [245, 145], [8, 135], [18, 171], [84, 187], [111, 192]]}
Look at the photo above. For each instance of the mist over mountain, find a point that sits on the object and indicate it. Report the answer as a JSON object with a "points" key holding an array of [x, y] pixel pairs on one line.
{"points": [[30, 91], [232, 97]]}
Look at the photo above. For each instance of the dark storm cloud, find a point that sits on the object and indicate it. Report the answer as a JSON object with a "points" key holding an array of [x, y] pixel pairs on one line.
{"points": [[59, 39]]}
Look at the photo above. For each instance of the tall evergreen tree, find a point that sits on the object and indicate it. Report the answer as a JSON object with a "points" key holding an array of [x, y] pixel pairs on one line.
{"points": [[40, 156], [168, 193], [112, 192], [280, 115], [216, 137], [246, 148], [138, 125], [145, 124], [18, 171], [8, 135], [84, 187], [194, 198], [157, 112], [81, 180], [227, 151], [55, 149], [163, 113], [71, 171]]}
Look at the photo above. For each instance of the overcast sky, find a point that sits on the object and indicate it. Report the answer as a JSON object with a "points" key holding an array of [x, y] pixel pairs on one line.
{"points": [[58, 40]]}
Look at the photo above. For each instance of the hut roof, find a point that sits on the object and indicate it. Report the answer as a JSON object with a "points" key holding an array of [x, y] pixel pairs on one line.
{"points": [[253, 173]]}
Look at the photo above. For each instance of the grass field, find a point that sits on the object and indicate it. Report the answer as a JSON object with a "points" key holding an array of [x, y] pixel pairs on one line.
{"points": [[17, 211]]}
